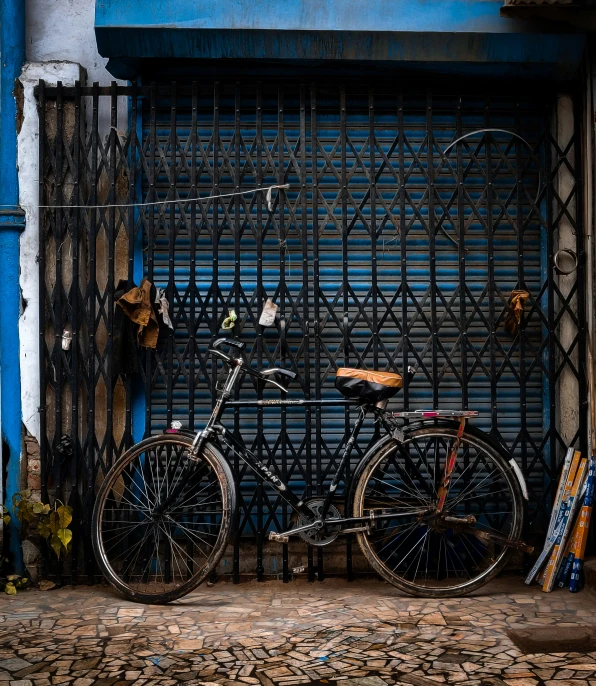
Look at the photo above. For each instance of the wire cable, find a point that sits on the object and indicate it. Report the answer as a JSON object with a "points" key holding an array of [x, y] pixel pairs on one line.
{"points": [[266, 189]]}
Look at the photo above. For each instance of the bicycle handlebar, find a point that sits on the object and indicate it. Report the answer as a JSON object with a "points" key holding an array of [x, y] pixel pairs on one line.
{"points": [[263, 374], [232, 342]]}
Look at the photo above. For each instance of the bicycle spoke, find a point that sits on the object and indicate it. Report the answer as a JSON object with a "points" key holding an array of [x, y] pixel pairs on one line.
{"points": [[155, 553], [426, 553]]}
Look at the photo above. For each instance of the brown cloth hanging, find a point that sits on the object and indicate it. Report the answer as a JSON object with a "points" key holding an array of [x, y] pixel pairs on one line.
{"points": [[517, 301], [137, 304]]}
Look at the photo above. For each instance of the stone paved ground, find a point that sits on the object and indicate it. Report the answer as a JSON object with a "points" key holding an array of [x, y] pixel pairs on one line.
{"points": [[272, 633]]}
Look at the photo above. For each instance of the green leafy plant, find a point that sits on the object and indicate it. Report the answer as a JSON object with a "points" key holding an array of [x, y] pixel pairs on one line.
{"points": [[51, 523], [9, 583], [37, 520]]}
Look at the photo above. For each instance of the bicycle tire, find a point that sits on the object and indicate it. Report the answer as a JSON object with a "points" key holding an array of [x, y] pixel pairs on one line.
{"points": [[379, 459], [128, 478]]}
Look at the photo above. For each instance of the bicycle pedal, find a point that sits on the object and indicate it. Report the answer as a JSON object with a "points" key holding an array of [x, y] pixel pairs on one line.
{"points": [[278, 538], [355, 530]]}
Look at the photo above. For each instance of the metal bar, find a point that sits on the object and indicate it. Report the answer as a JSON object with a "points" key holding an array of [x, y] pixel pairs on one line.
{"points": [[92, 453], [192, 287], [372, 229], [581, 265], [215, 234], [463, 288], [43, 298], [131, 161], [329, 402], [306, 298], [171, 246], [461, 249], [432, 235], [86, 91], [260, 329], [491, 273], [282, 311], [109, 299], [56, 353], [316, 295], [521, 284], [74, 347], [345, 255], [215, 229], [403, 229], [550, 307], [171, 232], [151, 243], [237, 289]]}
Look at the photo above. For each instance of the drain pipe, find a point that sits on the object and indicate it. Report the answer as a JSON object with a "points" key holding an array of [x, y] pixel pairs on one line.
{"points": [[12, 223]]}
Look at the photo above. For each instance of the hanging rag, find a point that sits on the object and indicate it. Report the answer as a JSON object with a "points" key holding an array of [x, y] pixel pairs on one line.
{"points": [[125, 350], [163, 307], [517, 302], [137, 304]]}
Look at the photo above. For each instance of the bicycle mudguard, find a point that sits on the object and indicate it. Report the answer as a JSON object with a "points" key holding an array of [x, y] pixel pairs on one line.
{"points": [[180, 432], [470, 429]]}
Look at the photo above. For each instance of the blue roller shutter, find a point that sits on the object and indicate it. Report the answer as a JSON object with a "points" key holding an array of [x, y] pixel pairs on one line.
{"points": [[383, 253]]}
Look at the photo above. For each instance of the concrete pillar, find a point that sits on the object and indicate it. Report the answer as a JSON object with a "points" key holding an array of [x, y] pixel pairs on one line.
{"points": [[568, 384]]}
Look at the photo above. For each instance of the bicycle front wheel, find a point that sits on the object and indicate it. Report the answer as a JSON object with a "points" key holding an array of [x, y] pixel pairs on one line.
{"points": [[162, 519], [438, 555]]}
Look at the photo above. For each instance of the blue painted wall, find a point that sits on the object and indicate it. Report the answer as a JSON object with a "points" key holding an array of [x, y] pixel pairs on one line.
{"points": [[12, 222], [435, 16], [412, 32]]}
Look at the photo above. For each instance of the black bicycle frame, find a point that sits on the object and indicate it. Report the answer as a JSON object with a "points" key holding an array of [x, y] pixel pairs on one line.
{"points": [[215, 428], [237, 445]]}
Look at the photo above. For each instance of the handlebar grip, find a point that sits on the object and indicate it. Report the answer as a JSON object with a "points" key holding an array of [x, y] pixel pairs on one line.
{"points": [[228, 341], [286, 372]]}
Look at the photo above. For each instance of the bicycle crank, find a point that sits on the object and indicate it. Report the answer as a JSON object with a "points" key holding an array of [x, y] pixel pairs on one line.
{"points": [[313, 531], [318, 535]]}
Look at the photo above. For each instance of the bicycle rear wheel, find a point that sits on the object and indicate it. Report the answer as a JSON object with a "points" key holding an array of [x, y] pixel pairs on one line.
{"points": [[428, 555], [162, 520]]}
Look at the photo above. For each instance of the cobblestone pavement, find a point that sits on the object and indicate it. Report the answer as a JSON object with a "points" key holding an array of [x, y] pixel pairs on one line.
{"points": [[363, 633]]}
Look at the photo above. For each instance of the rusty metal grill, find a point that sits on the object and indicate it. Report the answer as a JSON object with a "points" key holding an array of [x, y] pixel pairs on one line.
{"points": [[385, 252]]}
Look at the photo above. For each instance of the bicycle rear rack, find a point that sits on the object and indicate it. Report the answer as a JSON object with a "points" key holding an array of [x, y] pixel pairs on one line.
{"points": [[430, 414]]}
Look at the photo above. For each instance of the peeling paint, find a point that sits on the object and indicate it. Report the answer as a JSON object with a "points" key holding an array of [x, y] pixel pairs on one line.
{"points": [[18, 96]]}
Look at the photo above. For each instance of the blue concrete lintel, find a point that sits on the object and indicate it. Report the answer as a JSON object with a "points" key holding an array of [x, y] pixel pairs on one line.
{"points": [[403, 31]]}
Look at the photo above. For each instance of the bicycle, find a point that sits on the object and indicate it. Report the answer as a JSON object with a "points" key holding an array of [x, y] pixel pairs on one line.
{"points": [[436, 505]]}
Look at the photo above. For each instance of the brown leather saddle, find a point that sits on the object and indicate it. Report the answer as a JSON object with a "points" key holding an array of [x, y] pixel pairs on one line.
{"points": [[367, 386]]}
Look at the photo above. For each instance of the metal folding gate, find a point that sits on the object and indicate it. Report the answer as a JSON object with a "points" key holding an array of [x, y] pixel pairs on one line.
{"points": [[391, 247]]}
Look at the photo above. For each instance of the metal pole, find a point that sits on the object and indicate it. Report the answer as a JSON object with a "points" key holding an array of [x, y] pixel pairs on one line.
{"points": [[589, 245], [12, 222]]}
